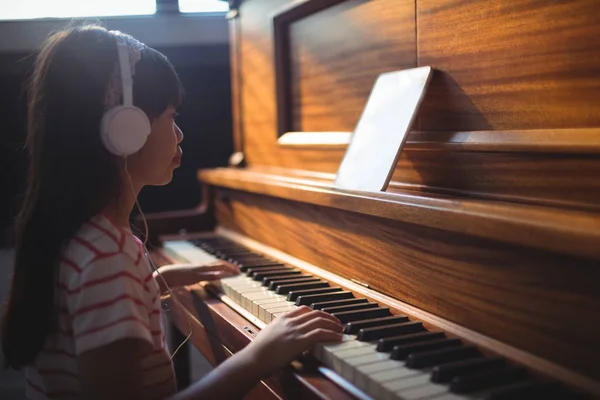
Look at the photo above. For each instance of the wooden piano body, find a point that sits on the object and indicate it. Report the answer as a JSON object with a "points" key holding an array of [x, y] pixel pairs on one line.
{"points": [[490, 229]]}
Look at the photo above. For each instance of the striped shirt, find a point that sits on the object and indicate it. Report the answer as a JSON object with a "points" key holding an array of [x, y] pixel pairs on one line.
{"points": [[106, 292]]}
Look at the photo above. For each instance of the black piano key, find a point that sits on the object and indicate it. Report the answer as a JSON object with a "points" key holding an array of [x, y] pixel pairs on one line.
{"points": [[294, 294], [387, 344], [487, 379], [527, 390], [447, 372], [352, 328], [239, 254], [378, 332], [271, 282], [305, 300], [243, 266], [442, 356], [359, 315], [285, 289], [260, 275], [250, 271], [336, 303], [402, 352], [248, 260], [351, 307]]}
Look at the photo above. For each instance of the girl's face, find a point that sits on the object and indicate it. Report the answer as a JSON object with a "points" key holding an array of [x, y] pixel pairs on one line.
{"points": [[155, 162]]}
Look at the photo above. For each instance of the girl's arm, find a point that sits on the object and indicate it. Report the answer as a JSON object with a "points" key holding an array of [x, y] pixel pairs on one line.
{"points": [[177, 275], [275, 347], [113, 371]]}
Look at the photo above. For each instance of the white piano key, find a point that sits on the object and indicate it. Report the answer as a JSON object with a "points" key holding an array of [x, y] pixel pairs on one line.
{"points": [[317, 350], [345, 367], [379, 379], [422, 392], [187, 252], [262, 304], [392, 387], [248, 299], [329, 351], [272, 315], [362, 373]]}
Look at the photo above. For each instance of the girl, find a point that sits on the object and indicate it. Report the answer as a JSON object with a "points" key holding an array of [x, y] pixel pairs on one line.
{"points": [[83, 317]]}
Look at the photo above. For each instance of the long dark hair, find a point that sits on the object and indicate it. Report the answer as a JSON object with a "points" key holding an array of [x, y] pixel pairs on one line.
{"points": [[71, 176]]}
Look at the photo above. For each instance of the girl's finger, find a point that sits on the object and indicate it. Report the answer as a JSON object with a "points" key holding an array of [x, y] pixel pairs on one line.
{"points": [[317, 314], [320, 335], [302, 310], [320, 323]]}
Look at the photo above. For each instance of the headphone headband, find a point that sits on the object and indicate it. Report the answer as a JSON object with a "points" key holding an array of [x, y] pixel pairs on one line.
{"points": [[124, 127], [121, 82]]}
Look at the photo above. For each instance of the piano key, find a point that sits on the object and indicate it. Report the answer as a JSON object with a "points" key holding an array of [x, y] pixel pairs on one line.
{"points": [[404, 351], [278, 311], [336, 303], [358, 315], [243, 266], [328, 350], [271, 282], [446, 372], [285, 289], [377, 332], [421, 392], [346, 366], [396, 381], [276, 299], [259, 276], [436, 357], [250, 271], [363, 373], [305, 300], [293, 295], [266, 305], [352, 307], [355, 326], [187, 251], [387, 344], [249, 298], [487, 379]]}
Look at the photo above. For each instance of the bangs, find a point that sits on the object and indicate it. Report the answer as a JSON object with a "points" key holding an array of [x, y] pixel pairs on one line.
{"points": [[156, 85]]}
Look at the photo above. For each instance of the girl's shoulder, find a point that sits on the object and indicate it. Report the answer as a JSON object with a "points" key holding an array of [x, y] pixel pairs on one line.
{"points": [[101, 239]]}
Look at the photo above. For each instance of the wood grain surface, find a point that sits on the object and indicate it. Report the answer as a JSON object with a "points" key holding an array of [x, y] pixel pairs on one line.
{"points": [[503, 70], [538, 301]]}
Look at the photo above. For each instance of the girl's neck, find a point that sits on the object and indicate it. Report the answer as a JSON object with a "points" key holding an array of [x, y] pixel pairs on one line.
{"points": [[120, 209]]}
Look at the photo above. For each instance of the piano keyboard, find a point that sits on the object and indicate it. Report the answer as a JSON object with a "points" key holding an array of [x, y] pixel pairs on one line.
{"points": [[386, 356]]}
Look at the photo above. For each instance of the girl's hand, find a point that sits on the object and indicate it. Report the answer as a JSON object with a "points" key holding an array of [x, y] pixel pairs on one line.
{"points": [[177, 275], [289, 335]]}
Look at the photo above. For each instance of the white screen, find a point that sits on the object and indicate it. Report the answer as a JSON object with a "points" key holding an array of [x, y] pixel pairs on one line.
{"points": [[381, 131]]}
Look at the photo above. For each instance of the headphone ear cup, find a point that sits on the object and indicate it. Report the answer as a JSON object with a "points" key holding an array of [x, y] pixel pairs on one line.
{"points": [[124, 130]]}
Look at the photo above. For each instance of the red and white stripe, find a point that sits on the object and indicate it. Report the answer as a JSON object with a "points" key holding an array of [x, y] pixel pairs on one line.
{"points": [[106, 293]]}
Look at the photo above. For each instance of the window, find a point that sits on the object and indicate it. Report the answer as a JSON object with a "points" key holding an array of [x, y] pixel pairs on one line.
{"points": [[196, 6], [31, 9]]}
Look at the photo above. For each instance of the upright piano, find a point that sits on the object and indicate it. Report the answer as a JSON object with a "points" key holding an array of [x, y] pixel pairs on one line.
{"points": [[476, 274]]}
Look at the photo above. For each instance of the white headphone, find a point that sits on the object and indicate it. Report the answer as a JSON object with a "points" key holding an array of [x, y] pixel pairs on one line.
{"points": [[124, 128]]}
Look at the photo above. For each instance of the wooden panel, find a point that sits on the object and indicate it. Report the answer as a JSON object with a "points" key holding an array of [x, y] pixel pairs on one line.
{"points": [[336, 54], [516, 64], [543, 302], [574, 233], [458, 168], [560, 180]]}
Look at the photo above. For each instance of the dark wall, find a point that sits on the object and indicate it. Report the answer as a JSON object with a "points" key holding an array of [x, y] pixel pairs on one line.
{"points": [[205, 118]]}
